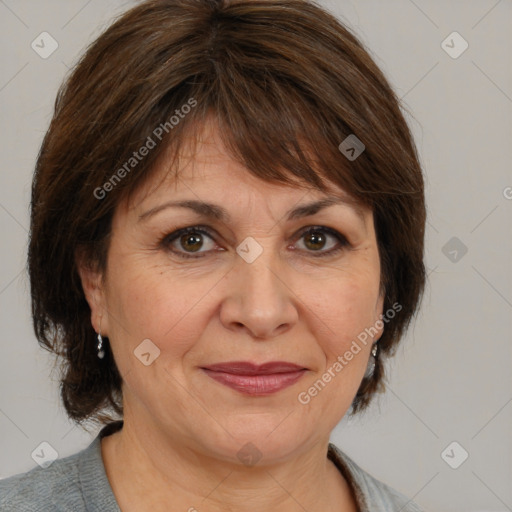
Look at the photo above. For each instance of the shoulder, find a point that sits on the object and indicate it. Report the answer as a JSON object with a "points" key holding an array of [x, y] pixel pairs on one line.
{"points": [[371, 493], [64, 485], [57, 486], [78, 483]]}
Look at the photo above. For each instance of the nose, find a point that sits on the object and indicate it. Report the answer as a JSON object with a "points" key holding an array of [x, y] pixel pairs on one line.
{"points": [[258, 300]]}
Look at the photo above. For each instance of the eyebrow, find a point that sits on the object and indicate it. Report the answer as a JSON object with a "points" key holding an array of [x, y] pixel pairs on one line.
{"points": [[214, 211]]}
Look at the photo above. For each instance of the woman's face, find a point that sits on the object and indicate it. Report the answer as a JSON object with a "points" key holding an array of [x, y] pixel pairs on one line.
{"points": [[262, 276]]}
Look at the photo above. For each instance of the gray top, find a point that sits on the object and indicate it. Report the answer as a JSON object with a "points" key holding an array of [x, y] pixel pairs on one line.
{"points": [[79, 483]]}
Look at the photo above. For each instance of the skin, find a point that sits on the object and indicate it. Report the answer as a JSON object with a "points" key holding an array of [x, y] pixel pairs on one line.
{"points": [[182, 430]]}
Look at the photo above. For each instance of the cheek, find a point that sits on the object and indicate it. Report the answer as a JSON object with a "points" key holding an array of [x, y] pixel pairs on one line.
{"points": [[149, 302], [341, 313], [343, 309]]}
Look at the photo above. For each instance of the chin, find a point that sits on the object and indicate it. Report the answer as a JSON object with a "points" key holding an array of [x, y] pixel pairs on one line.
{"points": [[257, 439]]}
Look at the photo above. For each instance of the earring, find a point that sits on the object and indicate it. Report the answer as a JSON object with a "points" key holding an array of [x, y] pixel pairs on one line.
{"points": [[371, 362], [101, 352], [99, 347]]}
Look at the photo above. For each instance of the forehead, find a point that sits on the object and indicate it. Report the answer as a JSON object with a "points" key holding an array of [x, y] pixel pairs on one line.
{"points": [[205, 170]]}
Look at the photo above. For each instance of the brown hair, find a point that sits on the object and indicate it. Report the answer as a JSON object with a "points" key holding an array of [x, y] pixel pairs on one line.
{"points": [[286, 82]]}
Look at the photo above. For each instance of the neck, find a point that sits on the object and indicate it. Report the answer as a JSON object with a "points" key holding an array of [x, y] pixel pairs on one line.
{"points": [[149, 471]]}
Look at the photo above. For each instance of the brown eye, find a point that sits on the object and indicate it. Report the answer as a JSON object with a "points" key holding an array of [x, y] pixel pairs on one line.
{"points": [[185, 242], [323, 241], [191, 242], [315, 240]]}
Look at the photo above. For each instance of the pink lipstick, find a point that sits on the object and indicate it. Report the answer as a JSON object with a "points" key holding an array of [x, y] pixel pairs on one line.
{"points": [[253, 379]]}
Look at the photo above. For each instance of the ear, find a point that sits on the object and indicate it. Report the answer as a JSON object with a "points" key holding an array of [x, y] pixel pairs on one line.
{"points": [[379, 308], [379, 313], [94, 290]]}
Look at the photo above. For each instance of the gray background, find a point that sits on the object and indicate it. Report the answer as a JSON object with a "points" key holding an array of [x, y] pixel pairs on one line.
{"points": [[452, 379]]}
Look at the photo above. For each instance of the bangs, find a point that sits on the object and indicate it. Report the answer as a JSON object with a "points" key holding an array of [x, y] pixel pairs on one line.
{"points": [[286, 149], [283, 123]]}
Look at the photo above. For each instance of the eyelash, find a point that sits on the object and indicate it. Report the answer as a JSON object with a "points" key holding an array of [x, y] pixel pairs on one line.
{"points": [[170, 238]]}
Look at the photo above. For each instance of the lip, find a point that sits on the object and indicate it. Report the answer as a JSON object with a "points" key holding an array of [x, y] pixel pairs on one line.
{"points": [[254, 379], [248, 368]]}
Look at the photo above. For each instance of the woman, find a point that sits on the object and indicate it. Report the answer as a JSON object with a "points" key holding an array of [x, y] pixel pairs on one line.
{"points": [[226, 244]]}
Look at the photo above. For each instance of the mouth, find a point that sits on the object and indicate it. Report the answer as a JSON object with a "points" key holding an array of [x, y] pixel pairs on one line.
{"points": [[253, 379]]}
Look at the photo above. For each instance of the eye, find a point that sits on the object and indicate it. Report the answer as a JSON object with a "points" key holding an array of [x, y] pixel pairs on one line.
{"points": [[196, 241], [322, 240], [189, 241]]}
